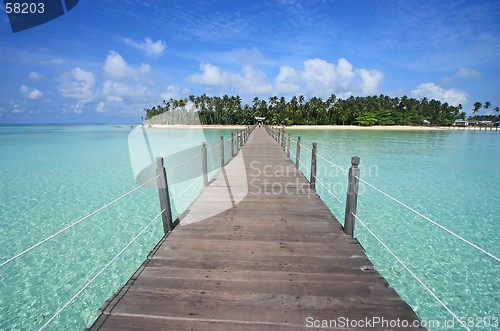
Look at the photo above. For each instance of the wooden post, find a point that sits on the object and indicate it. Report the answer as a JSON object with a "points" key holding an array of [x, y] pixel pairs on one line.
{"points": [[297, 154], [232, 143], [222, 151], [313, 167], [288, 146], [283, 140], [352, 197], [204, 163], [161, 180]]}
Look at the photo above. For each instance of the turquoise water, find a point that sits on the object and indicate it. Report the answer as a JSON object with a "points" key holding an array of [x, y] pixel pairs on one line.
{"points": [[52, 176], [55, 175], [451, 177]]}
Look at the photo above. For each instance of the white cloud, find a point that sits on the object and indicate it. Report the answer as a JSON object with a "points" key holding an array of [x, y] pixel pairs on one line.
{"points": [[153, 49], [100, 108], [433, 91], [115, 67], [323, 78], [250, 80], [16, 109], [211, 75], [29, 93], [285, 83], [317, 78], [370, 80], [174, 92], [115, 91], [77, 109], [78, 84], [34, 76], [467, 73]]}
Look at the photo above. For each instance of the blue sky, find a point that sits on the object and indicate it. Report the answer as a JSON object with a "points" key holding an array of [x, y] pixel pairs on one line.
{"points": [[106, 60]]}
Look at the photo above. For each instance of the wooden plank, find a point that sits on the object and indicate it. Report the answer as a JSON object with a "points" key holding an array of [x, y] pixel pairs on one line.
{"points": [[268, 262]]}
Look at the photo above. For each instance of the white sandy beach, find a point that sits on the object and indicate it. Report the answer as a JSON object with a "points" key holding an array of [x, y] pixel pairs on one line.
{"points": [[355, 127], [185, 126], [310, 127]]}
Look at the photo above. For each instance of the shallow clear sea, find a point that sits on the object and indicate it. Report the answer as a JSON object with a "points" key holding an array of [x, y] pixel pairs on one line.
{"points": [[451, 177], [53, 175]]}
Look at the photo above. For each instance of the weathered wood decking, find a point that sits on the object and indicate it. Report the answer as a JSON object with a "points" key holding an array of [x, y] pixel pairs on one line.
{"points": [[277, 260]]}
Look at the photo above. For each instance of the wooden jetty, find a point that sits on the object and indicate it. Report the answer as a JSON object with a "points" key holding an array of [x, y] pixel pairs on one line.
{"points": [[277, 260]]}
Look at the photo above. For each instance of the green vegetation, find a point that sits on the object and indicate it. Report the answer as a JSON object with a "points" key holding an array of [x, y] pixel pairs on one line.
{"points": [[365, 111], [493, 118]]}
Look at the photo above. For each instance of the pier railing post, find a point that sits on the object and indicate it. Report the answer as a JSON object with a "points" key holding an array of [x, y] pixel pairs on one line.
{"points": [[297, 154], [313, 167], [222, 151], [282, 136], [204, 163], [288, 146], [232, 143], [161, 180], [352, 197]]}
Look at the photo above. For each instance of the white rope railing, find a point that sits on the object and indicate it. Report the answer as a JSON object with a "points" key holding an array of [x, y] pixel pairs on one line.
{"points": [[184, 162], [100, 272], [52, 236], [412, 273], [304, 147], [190, 185], [333, 164], [333, 194], [432, 221]]}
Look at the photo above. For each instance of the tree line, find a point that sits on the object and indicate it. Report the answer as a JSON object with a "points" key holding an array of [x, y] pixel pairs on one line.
{"points": [[365, 111]]}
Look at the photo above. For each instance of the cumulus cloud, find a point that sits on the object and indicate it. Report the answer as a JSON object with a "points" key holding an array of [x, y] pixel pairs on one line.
{"points": [[252, 81], [323, 78], [115, 91], [78, 84], [116, 67], [29, 93], [174, 92], [285, 82], [249, 80], [433, 91], [317, 78], [100, 108], [370, 80], [467, 73], [34, 76], [153, 49], [210, 75]]}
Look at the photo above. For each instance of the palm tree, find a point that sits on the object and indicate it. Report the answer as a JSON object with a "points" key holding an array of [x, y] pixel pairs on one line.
{"points": [[487, 105], [477, 106], [497, 109]]}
